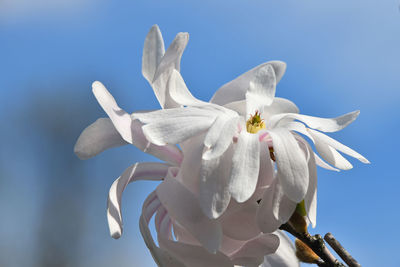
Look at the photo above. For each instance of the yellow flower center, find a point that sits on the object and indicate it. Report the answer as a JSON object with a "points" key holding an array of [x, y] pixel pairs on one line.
{"points": [[255, 123]]}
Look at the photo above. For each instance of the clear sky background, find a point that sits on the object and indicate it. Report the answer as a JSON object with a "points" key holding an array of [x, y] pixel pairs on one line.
{"points": [[341, 55]]}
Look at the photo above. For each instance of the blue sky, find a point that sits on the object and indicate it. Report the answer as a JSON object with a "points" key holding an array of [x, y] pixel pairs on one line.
{"points": [[341, 57]]}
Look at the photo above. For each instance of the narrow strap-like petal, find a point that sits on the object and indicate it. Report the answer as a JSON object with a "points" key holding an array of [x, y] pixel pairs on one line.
{"points": [[138, 171], [184, 207], [291, 164], [160, 256], [336, 145], [121, 120], [179, 91], [219, 136], [330, 154], [261, 90], [96, 138], [236, 89], [153, 51], [310, 200], [245, 167], [214, 190], [321, 124]]}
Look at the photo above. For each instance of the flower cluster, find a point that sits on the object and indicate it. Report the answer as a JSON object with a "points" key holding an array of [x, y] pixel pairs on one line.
{"points": [[243, 169]]}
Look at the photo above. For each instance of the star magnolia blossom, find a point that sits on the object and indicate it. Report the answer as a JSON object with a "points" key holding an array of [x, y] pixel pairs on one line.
{"points": [[198, 240], [241, 116]]}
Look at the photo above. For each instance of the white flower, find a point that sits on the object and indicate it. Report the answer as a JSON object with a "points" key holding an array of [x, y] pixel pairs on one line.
{"points": [[222, 124]]}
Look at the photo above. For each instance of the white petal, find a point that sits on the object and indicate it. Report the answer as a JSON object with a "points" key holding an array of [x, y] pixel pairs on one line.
{"points": [[245, 167], [170, 61], [214, 190], [239, 220], [321, 124], [310, 200], [121, 120], [179, 91], [236, 89], [153, 51], [168, 153], [291, 164], [335, 144], [253, 251], [160, 256], [96, 138], [275, 208], [279, 105], [261, 90], [330, 154], [266, 173], [183, 206], [323, 164], [219, 136], [176, 130], [285, 256], [138, 171], [195, 256]]}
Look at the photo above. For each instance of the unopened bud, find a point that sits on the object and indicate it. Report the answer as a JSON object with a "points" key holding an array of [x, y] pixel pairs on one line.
{"points": [[304, 253]]}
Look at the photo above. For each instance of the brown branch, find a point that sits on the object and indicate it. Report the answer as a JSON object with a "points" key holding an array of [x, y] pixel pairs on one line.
{"points": [[317, 244], [347, 258]]}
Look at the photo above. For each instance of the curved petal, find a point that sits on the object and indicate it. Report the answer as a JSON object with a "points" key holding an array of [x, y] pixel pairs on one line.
{"points": [[183, 206], [214, 191], [291, 164], [330, 154], [245, 167], [138, 171], [261, 89], [285, 256], [275, 208], [121, 120], [336, 145], [160, 256], [236, 89], [219, 136], [310, 200], [241, 223], [321, 124], [96, 138], [253, 251], [170, 61], [153, 51], [179, 91]]}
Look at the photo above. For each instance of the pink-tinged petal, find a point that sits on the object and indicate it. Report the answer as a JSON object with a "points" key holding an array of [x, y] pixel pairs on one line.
{"points": [[96, 138], [253, 251], [261, 90], [194, 256], [219, 136], [291, 164], [138, 171], [336, 145], [285, 256], [184, 236], [153, 51], [121, 120], [330, 154], [160, 256], [184, 207], [275, 208], [321, 124], [214, 180], [179, 91], [236, 89], [239, 221], [245, 167], [170, 61], [168, 153]]}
